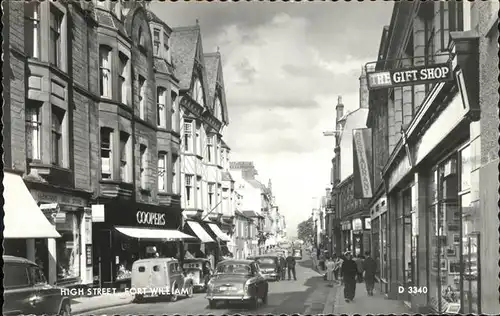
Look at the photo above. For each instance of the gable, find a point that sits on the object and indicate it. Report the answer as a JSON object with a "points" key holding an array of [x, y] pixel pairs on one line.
{"points": [[221, 92], [199, 71]]}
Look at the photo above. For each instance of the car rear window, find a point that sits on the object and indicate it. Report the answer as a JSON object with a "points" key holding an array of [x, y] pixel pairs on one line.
{"points": [[265, 261], [15, 275]]}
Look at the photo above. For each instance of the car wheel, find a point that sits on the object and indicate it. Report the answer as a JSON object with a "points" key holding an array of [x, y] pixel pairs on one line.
{"points": [[65, 310], [212, 304], [139, 298], [254, 303]]}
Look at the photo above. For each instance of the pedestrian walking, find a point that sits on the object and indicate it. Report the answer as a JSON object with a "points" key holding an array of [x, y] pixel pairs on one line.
{"points": [[337, 263], [359, 264], [370, 269], [282, 267], [329, 270], [290, 264], [348, 272]]}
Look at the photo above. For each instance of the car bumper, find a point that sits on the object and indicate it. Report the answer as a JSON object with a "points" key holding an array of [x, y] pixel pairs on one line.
{"points": [[228, 297]]}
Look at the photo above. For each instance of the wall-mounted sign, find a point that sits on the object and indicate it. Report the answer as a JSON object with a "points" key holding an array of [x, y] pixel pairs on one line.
{"points": [[150, 218], [409, 76], [357, 224], [88, 255], [368, 223], [362, 166], [97, 213], [59, 198]]}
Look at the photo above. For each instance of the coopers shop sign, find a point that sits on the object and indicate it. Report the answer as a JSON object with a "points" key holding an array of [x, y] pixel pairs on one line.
{"points": [[150, 218], [409, 76]]}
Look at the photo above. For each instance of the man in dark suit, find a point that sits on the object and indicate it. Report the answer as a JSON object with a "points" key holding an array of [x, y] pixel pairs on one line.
{"points": [[349, 271], [290, 263], [370, 269], [282, 267]]}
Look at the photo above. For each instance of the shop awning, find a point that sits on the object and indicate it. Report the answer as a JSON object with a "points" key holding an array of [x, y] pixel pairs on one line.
{"points": [[23, 218], [219, 233], [200, 232], [153, 233]]}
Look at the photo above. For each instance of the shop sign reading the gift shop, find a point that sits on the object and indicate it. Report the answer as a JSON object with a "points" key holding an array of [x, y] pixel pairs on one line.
{"points": [[409, 76], [150, 218]]}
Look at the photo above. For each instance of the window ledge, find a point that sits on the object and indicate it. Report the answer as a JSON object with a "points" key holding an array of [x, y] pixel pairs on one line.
{"points": [[53, 174], [116, 188]]}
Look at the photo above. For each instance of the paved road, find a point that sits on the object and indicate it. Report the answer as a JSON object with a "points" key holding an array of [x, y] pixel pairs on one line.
{"points": [[307, 294]]}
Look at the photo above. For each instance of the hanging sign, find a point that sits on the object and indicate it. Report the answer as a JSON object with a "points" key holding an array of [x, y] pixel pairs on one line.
{"points": [[409, 76]]}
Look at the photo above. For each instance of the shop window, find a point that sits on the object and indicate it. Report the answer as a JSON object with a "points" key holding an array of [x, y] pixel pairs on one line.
{"points": [[106, 153], [68, 246], [143, 164], [162, 172], [57, 136], [142, 97], [123, 75], [161, 102], [55, 47], [105, 71], [33, 130], [125, 157], [175, 172], [32, 29], [15, 275]]}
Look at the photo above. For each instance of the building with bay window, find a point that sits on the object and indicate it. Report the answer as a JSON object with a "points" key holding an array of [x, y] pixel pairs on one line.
{"points": [[50, 90], [431, 221], [207, 188]]}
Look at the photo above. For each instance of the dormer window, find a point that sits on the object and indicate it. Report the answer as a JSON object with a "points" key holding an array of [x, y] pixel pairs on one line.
{"points": [[198, 93], [217, 109]]}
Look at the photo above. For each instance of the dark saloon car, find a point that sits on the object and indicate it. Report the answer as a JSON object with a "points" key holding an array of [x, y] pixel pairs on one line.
{"points": [[269, 266], [237, 281], [26, 291]]}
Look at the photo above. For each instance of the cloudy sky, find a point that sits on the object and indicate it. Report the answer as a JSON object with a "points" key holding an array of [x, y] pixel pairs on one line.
{"points": [[284, 66]]}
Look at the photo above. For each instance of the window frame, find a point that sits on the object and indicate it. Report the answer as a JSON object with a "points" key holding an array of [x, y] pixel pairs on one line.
{"points": [[57, 136], [210, 147], [157, 41], [143, 166], [142, 97], [109, 131], [188, 136], [175, 162], [34, 21], [173, 117], [33, 112], [198, 94], [125, 164], [210, 189], [161, 106], [163, 156], [123, 63], [56, 17], [188, 183], [105, 71]]}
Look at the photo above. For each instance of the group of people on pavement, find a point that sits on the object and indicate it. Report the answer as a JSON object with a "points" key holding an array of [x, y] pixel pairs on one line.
{"points": [[352, 270], [285, 264]]}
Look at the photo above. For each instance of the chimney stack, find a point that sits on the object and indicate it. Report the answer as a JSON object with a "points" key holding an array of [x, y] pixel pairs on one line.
{"points": [[339, 108], [363, 89]]}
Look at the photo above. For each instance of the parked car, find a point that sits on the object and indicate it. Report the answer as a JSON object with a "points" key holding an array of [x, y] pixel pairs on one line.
{"points": [[160, 277], [237, 281], [269, 266], [199, 271], [26, 291]]}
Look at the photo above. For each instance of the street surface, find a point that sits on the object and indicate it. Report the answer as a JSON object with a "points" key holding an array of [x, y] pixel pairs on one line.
{"points": [[307, 295]]}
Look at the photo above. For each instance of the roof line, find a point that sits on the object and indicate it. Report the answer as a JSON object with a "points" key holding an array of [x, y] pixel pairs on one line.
{"points": [[186, 28]]}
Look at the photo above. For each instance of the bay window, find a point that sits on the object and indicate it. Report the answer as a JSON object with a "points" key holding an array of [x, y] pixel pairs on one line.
{"points": [[156, 42], [123, 78], [125, 157], [106, 153], [210, 147], [173, 116], [33, 130], [142, 97], [57, 136], [210, 195], [175, 165], [161, 101], [162, 172], [187, 136], [105, 71], [188, 189], [32, 29], [55, 47], [143, 166]]}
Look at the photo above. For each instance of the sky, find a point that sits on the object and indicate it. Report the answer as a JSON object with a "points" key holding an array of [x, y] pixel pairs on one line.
{"points": [[284, 66]]}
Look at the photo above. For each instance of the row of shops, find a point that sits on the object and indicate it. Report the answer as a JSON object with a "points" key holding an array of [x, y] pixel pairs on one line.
{"points": [[78, 241]]}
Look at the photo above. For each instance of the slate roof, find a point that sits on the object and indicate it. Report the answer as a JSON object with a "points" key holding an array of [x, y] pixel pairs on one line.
{"points": [[255, 183], [241, 214], [251, 214], [184, 42], [162, 66], [154, 18], [211, 67], [107, 19]]}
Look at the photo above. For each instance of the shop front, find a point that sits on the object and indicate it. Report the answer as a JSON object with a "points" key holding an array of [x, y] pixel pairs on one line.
{"points": [[379, 248], [124, 232], [346, 235], [361, 236], [433, 196]]}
